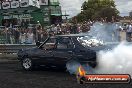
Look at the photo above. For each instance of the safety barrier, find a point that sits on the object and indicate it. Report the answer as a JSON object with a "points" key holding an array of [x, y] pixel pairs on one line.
{"points": [[10, 50]]}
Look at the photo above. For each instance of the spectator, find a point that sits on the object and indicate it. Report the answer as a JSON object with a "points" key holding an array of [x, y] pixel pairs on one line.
{"points": [[16, 36], [8, 36], [45, 34], [22, 36], [30, 37], [74, 29], [59, 31], [39, 35], [129, 32]]}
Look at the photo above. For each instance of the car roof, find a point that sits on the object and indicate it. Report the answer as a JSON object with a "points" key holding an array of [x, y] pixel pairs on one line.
{"points": [[74, 35]]}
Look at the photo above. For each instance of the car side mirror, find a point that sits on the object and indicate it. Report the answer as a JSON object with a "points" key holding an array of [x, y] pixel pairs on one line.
{"points": [[38, 43]]}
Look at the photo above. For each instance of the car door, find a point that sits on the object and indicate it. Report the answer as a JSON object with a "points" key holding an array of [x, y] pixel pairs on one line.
{"points": [[63, 51]]}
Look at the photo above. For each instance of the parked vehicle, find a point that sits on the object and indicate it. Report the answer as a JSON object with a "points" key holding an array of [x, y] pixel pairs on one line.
{"points": [[57, 51]]}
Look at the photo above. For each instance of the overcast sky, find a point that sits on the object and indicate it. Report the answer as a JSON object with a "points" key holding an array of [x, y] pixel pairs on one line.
{"points": [[73, 7]]}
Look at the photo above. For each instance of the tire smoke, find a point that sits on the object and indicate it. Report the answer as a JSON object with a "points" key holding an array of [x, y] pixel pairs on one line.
{"points": [[115, 61], [72, 66]]}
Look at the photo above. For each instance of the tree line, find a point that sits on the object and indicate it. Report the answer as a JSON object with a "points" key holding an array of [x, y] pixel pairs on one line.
{"points": [[97, 9]]}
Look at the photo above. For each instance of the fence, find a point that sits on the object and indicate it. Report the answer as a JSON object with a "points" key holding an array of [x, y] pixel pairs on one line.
{"points": [[10, 50]]}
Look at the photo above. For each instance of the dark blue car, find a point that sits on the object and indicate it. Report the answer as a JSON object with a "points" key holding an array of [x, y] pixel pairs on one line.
{"points": [[59, 50]]}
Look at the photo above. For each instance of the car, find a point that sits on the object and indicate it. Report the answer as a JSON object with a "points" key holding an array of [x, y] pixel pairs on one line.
{"points": [[58, 51]]}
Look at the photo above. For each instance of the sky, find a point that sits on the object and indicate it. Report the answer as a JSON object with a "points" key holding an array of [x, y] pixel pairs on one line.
{"points": [[73, 7]]}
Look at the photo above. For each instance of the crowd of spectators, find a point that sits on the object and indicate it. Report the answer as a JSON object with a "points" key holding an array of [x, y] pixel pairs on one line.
{"points": [[31, 35], [23, 35], [69, 28]]}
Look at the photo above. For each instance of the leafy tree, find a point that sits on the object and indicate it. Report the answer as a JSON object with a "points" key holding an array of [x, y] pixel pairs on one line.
{"points": [[93, 9]]}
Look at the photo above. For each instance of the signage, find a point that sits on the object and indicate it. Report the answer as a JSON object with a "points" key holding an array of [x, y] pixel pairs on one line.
{"points": [[15, 16], [25, 16], [46, 14], [43, 2], [55, 10], [46, 8], [14, 4], [5, 5], [46, 19], [34, 3], [24, 3], [7, 17]]}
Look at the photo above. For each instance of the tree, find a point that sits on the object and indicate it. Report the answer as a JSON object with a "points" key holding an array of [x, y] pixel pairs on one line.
{"points": [[109, 13], [93, 9]]}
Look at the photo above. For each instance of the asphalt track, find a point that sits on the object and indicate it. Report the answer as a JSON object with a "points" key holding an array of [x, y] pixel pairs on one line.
{"points": [[13, 76]]}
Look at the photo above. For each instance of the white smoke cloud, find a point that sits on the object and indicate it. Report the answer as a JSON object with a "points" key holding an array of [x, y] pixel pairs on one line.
{"points": [[116, 61]]}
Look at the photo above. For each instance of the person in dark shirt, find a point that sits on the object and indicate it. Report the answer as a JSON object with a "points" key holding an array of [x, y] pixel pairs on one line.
{"points": [[16, 36], [74, 29]]}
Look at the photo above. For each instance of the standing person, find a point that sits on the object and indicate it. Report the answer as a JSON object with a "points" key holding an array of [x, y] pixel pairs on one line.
{"points": [[55, 30], [74, 29], [39, 34], [129, 32], [16, 36], [88, 26], [117, 32], [22, 36], [8, 36], [30, 37], [23, 23], [59, 32], [45, 35], [68, 28], [84, 28], [63, 29], [79, 28]]}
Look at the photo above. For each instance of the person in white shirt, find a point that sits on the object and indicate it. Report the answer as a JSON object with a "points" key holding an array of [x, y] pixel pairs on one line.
{"points": [[22, 36], [30, 35], [129, 32]]}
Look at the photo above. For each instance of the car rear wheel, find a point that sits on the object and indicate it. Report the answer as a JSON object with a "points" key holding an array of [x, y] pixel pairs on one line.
{"points": [[27, 64]]}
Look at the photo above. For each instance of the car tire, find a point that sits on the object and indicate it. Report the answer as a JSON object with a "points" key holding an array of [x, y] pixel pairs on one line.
{"points": [[27, 64]]}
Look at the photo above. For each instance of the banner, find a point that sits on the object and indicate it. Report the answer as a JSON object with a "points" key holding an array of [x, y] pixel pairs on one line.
{"points": [[43, 2], [25, 16], [5, 5], [14, 4], [24, 3], [34, 3], [15, 16], [46, 19]]}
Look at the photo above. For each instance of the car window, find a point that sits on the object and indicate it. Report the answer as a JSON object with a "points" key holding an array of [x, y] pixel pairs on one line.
{"points": [[51, 40], [64, 43], [50, 44]]}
